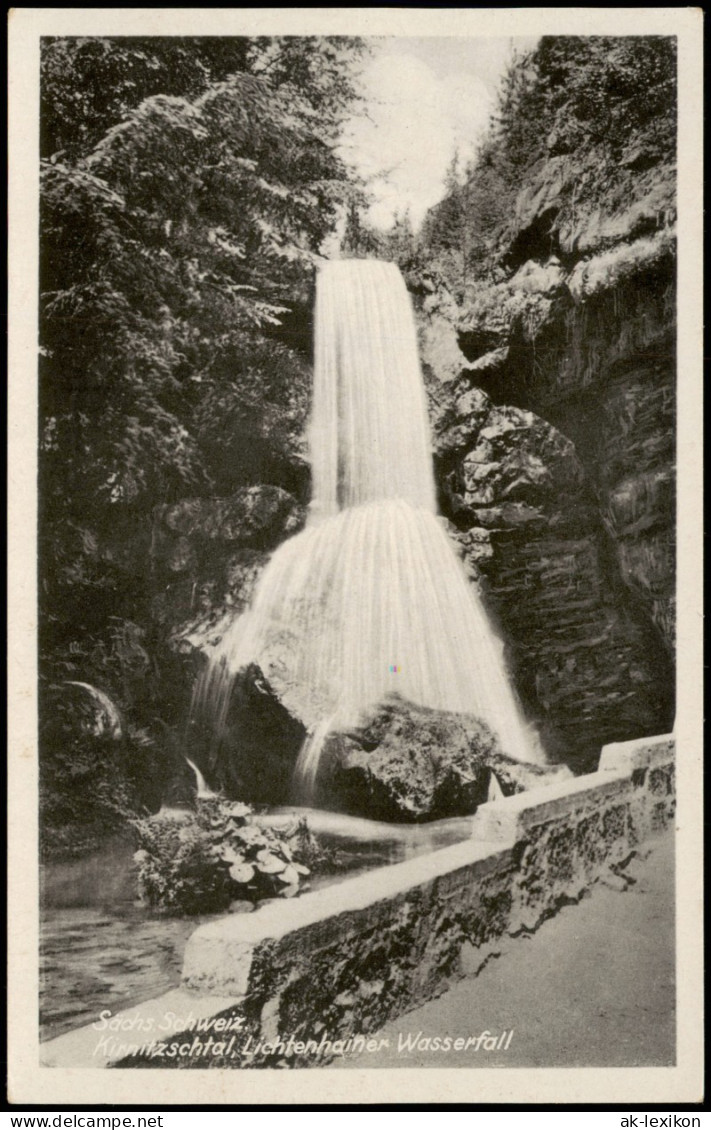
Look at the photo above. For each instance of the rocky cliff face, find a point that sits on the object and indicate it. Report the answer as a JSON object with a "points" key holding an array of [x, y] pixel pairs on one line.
{"points": [[207, 555], [554, 434]]}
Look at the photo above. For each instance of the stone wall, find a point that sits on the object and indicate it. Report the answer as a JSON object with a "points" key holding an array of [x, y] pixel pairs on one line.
{"points": [[342, 961]]}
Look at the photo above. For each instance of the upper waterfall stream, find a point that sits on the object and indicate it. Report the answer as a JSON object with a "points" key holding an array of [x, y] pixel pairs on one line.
{"points": [[370, 597]]}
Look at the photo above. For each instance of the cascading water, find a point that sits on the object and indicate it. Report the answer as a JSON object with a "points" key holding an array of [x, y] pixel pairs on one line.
{"points": [[370, 597]]}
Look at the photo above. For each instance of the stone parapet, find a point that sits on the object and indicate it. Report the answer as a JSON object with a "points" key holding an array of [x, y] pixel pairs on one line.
{"points": [[317, 971]]}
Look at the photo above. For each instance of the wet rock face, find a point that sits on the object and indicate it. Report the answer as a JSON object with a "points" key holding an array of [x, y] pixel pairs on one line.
{"points": [[631, 455], [506, 459], [254, 759], [409, 763], [573, 317], [585, 659], [555, 446], [209, 551], [579, 328], [535, 528], [605, 376], [208, 554], [603, 372]]}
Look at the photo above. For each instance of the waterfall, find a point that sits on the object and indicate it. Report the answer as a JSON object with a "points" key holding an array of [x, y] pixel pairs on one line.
{"points": [[370, 435], [203, 789], [370, 597]]}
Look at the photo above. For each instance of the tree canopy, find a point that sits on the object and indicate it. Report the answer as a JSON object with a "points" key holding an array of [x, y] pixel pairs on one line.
{"points": [[186, 188], [603, 107], [183, 200]]}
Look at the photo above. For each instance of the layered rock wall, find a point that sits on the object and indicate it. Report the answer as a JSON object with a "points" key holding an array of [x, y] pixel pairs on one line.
{"points": [[555, 449]]}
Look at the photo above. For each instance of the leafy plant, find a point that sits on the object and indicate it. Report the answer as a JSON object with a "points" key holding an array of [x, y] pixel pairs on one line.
{"points": [[206, 859]]}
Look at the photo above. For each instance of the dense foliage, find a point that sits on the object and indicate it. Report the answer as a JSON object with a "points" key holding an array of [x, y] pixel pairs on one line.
{"points": [[187, 185], [595, 112]]}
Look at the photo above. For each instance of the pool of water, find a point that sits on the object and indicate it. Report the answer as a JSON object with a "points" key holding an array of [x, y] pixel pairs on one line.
{"points": [[101, 949]]}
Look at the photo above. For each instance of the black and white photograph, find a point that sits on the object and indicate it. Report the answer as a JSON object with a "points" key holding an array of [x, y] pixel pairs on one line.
{"points": [[355, 462]]}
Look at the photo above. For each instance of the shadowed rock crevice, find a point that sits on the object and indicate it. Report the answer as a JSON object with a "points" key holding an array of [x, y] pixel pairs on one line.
{"points": [[253, 758]]}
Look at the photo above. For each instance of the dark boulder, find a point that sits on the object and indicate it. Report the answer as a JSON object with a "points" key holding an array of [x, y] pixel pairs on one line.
{"points": [[412, 763], [253, 759]]}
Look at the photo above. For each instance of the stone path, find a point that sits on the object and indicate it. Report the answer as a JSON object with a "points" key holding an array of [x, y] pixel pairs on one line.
{"points": [[593, 987]]}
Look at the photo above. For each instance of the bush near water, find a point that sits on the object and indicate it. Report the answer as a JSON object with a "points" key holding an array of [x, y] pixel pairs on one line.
{"points": [[203, 860]]}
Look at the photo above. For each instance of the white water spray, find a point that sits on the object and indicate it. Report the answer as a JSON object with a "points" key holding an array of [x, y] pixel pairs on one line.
{"points": [[371, 597], [203, 789]]}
